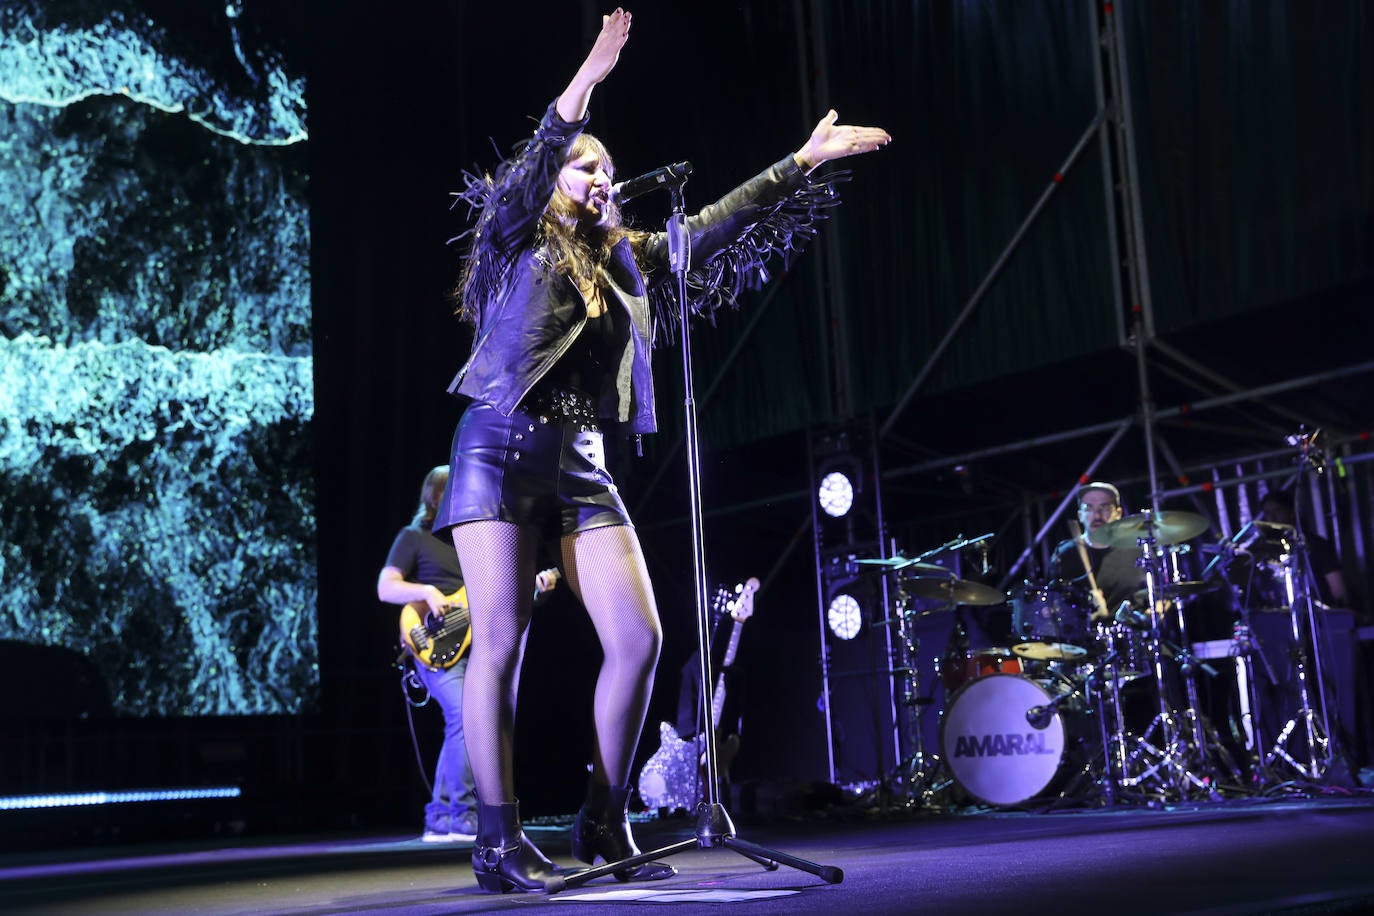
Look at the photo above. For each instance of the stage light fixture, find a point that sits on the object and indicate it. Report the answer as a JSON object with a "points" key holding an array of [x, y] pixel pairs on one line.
{"points": [[844, 616], [836, 494]]}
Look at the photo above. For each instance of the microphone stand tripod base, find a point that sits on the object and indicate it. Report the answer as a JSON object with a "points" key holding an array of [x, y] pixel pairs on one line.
{"points": [[714, 829]]}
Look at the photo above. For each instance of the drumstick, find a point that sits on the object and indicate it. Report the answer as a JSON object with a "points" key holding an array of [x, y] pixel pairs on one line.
{"points": [[1098, 599]]}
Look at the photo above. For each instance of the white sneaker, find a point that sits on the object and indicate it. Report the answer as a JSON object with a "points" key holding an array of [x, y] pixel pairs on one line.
{"points": [[431, 836]]}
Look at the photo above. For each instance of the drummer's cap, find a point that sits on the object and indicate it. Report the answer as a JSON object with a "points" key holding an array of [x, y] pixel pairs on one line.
{"points": [[1104, 487]]}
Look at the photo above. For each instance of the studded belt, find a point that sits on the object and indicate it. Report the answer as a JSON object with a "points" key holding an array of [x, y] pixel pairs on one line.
{"points": [[558, 404]]}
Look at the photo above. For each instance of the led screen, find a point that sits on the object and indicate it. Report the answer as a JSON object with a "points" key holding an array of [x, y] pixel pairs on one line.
{"points": [[157, 533]]}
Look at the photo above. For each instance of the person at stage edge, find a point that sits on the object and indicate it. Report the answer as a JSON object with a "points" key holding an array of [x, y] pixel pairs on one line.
{"points": [[1114, 568], [566, 303], [420, 567], [1279, 507]]}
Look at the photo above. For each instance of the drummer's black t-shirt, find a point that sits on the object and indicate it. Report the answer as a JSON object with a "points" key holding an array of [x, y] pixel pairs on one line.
{"points": [[1114, 568]]}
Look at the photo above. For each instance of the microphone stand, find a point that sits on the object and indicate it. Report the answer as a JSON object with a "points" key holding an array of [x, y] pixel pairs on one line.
{"points": [[713, 825], [1298, 587]]}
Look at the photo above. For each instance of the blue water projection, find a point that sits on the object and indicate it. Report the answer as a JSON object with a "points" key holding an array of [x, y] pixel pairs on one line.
{"points": [[158, 526]]}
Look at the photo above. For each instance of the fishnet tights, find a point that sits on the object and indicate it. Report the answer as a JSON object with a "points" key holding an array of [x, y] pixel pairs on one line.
{"points": [[606, 571]]}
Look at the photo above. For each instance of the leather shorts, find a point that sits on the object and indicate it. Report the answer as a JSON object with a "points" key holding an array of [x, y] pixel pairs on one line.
{"points": [[544, 467]]}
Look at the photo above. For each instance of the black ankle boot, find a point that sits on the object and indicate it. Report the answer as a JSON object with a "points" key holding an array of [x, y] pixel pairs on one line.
{"points": [[602, 831], [503, 858]]}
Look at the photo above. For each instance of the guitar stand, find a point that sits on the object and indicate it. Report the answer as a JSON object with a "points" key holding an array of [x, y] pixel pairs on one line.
{"points": [[714, 828], [920, 773]]}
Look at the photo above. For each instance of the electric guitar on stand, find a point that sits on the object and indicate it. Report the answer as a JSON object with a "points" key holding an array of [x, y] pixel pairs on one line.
{"points": [[671, 777]]}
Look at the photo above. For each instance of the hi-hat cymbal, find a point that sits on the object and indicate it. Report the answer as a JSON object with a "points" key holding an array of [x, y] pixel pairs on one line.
{"points": [[1186, 589], [1274, 541], [955, 591], [900, 563], [1274, 529], [1164, 527], [1190, 587]]}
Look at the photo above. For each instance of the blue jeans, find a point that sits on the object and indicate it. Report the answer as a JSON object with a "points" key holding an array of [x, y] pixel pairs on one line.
{"points": [[454, 790]]}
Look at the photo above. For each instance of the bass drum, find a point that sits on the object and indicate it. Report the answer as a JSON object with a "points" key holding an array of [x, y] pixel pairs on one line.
{"points": [[992, 745]]}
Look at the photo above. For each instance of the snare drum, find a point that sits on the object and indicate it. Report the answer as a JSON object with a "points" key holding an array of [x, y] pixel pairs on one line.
{"points": [[958, 670], [992, 745]]}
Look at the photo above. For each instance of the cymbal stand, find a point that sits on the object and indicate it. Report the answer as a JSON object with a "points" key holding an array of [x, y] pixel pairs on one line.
{"points": [[1104, 676], [1105, 683], [1246, 646], [1161, 763], [1313, 721], [1095, 688], [919, 772], [1211, 754]]}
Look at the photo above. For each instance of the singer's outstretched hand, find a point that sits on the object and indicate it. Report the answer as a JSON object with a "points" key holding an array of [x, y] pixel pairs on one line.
{"points": [[835, 141], [600, 61]]}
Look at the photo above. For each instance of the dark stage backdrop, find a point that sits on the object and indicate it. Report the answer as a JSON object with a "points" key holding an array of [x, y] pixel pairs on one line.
{"points": [[984, 102], [1254, 140]]}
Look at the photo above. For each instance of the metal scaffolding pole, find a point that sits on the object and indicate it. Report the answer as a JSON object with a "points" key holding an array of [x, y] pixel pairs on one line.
{"points": [[1177, 411], [991, 275]]}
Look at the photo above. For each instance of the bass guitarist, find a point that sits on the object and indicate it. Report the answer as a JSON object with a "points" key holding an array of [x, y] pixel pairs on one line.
{"points": [[422, 572]]}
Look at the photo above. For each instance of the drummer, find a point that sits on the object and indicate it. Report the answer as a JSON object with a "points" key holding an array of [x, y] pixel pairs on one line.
{"points": [[1114, 568]]}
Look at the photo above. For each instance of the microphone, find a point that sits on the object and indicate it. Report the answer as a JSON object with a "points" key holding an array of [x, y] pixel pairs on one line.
{"points": [[1306, 443], [1039, 716], [676, 173]]}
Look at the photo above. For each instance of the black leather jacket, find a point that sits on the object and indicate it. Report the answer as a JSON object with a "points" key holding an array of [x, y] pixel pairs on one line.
{"points": [[528, 315]]}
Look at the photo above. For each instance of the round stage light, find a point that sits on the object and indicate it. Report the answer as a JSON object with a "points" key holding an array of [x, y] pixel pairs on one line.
{"points": [[836, 494], [844, 616]]}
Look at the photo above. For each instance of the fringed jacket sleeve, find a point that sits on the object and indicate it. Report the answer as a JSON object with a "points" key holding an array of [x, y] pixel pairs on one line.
{"points": [[737, 240], [509, 204]]}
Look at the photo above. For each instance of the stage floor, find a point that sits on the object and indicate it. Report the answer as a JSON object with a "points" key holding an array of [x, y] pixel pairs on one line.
{"points": [[1313, 855]]}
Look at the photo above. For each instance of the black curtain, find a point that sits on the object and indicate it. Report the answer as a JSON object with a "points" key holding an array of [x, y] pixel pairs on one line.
{"points": [[984, 101]]}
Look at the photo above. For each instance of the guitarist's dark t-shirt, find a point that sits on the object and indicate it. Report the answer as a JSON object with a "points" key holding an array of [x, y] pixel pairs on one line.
{"points": [[423, 558]]}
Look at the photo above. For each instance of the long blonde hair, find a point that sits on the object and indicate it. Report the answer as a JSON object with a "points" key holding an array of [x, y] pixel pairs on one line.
{"points": [[431, 491]]}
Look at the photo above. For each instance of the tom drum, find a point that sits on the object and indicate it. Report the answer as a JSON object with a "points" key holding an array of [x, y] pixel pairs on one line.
{"points": [[1054, 612]]}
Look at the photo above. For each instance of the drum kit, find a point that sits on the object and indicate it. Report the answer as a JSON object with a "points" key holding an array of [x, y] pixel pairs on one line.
{"points": [[1089, 704]]}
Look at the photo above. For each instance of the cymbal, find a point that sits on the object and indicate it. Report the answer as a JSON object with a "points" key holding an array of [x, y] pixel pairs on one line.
{"points": [[1185, 589], [1274, 541], [900, 563], [1165, 527], [955, 591]]}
